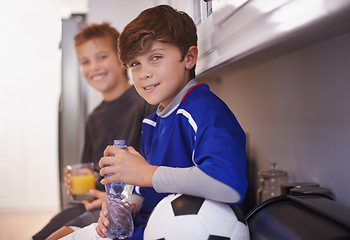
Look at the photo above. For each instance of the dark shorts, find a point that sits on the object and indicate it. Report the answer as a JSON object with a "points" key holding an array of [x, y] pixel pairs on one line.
{"points": [[85, 218], [74, 214]]}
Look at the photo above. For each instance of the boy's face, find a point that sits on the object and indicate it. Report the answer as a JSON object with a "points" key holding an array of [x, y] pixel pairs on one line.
{"points": [[158, 74], [100, 66]]}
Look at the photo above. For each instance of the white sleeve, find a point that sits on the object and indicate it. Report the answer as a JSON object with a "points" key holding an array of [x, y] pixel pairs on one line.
{"points": [[87, 233], [137, 200], [192, 181]]}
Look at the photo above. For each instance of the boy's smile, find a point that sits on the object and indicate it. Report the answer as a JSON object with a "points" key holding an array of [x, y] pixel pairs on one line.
{"points": [[101, 67], [158, 74], [150, 88], [98, 77]]}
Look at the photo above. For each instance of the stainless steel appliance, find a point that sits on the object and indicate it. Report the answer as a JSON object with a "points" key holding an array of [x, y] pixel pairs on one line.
{"points": [[309, 216], [72, 108]]}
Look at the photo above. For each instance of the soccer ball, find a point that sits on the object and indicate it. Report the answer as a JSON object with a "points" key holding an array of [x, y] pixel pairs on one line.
{"points": [[179, 216]]}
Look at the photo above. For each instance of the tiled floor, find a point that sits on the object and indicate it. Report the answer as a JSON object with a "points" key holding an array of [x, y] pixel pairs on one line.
{"points": [[21, 226]]}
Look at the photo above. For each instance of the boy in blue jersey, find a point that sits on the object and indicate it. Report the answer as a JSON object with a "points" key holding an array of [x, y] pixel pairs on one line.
{"points": [[193, 143]]}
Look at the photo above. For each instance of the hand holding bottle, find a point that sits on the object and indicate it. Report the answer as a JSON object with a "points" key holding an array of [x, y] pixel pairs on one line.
{"points": [[103, 222], [126, 166], [121, 224]]}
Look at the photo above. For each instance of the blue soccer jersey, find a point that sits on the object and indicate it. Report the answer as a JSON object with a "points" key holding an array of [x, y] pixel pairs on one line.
{"points": [[202, 131]]}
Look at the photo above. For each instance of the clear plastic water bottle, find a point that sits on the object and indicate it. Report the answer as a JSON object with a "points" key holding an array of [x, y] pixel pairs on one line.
{"points": [[121, 224]]}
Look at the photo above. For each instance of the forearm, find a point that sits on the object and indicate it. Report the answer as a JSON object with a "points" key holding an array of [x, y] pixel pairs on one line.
{"points": [[193, 181]]}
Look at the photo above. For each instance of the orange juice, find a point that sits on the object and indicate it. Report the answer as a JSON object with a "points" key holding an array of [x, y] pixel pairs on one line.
{"points": [[81, 185]]}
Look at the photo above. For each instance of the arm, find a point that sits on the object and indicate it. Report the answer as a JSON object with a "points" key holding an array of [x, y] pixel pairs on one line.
{"points": [[193, 181], [97, 202], [130, 167]]}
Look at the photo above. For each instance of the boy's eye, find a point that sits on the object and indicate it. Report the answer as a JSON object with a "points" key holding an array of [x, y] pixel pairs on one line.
{"points": [[155, 58], [103, 56], [84, 62], [134, 64]]}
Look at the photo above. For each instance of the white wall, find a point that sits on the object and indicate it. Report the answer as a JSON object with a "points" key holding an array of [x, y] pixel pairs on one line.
{"points": [[29, 94], [295, 111]]}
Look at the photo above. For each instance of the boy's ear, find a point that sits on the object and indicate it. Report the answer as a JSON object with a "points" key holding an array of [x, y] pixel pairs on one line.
{"points": [[191, 57]]}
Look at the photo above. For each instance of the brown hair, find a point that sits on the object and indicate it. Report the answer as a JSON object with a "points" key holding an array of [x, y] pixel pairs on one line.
{"points": [[93, 31], [161, 23]]}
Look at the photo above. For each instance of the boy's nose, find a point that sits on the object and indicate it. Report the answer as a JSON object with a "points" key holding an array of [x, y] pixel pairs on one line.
{"points": [[145, 73], [95, 65]]}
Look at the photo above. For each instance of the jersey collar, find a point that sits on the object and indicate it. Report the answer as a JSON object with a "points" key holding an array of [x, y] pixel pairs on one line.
{"points": [[164, 112]]}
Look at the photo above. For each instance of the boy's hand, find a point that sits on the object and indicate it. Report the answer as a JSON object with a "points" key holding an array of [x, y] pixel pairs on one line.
{"points": [[126, 166], [103, 222], [96, 203], [66, 180]]}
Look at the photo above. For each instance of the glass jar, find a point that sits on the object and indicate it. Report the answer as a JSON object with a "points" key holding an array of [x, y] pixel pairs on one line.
{"points": [[270, 183]]}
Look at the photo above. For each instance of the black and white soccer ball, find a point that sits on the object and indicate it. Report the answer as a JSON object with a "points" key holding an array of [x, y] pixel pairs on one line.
{"points": [[180, 216]]}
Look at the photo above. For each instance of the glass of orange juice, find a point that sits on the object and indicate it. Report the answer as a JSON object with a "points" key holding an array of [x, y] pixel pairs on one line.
{"points": [[82, 179]]}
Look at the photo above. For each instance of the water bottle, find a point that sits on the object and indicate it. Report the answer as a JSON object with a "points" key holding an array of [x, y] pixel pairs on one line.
{"points": [[121, 224]]}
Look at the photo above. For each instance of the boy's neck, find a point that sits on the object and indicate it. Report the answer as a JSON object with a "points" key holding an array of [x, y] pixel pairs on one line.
{"points": [[163, 112], [117, 92]]}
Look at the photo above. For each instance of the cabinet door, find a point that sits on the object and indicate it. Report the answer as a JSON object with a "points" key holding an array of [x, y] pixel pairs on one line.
{"points": [[209, 16], [223, 9], [229, 30], [212, 31]]}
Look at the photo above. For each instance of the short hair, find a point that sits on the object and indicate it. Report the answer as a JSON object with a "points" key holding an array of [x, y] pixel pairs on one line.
{"points": [[95, 31], [161, 23]]}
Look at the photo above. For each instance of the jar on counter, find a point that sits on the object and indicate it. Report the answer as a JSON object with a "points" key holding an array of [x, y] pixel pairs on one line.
{"points": [[270, 183]]}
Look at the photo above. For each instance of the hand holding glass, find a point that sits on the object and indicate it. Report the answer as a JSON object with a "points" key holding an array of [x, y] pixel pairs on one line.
{"points": [[82, 179]]}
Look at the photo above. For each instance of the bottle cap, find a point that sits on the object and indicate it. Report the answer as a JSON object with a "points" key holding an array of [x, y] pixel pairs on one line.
{"points": [[120, 143]]}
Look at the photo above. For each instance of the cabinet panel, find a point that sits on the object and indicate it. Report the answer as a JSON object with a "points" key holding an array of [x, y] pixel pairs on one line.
{"points": [[224, 9], [229, 30]]}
